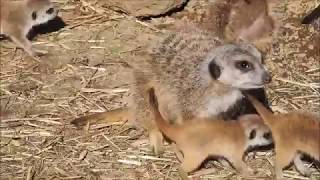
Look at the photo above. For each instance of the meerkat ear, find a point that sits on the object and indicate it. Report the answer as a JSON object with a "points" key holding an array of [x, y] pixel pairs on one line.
{"points": [[214, 69]]}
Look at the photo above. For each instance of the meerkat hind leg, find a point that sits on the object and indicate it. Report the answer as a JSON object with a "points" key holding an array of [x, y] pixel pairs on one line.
{"points": [[283, 159]]}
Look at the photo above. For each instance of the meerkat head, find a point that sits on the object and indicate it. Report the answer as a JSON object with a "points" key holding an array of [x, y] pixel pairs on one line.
{"points": [[257, 133], [236, 65], [40, 11]]}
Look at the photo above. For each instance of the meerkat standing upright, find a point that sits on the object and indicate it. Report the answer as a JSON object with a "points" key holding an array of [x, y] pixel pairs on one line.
{"points": [[18, 17], [195, 76], [294, 133]]}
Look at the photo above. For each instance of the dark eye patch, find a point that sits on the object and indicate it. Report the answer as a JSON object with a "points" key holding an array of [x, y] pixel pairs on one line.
{"points": [[252, 134], [214, 70], [244, 66], [247, 1], [50, 11], [34, 15], [267, 135]]}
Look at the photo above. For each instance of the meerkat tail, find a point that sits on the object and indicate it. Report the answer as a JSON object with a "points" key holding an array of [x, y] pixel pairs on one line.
{"points": [[265, 113], [167, 129], [116, 115]]}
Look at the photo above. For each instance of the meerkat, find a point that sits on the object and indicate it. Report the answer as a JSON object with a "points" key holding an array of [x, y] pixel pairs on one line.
{"points": [[235, 20], [294, 134], [199, 139], [196, 76], [18, 17]]}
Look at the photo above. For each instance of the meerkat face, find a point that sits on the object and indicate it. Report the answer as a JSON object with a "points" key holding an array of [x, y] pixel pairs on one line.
{"points": [[256, 132], [41, 11], [258, 136], [237, 65]]}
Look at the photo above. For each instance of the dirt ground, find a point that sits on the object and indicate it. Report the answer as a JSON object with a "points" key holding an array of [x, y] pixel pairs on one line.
{"points": [[86, 71]]}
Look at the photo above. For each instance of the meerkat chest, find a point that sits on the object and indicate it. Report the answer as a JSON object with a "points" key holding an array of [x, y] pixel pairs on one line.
{"points": [[216, 105]]}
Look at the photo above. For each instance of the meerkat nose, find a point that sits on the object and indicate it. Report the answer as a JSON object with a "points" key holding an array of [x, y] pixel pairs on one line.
{"points": [[267, 78]]}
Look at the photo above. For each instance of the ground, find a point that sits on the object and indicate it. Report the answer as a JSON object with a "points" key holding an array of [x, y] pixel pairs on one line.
{"points": [[86, 71]]}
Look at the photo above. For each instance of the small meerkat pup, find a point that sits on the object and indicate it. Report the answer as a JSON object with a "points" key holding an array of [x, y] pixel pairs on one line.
{"points": [[18, 17], [196, 76], [294, 134], [199, 139]]}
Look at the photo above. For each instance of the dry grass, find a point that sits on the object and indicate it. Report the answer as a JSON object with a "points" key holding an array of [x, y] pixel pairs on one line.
{"points": [[85, 71]]}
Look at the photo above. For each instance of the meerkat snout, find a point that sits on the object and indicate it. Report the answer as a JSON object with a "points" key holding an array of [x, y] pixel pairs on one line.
{"points": [[238, 65]]}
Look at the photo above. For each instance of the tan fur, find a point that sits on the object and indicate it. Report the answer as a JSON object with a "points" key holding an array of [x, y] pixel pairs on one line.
{"points": [[247, 20], [176, 67], [16, 20], [216, 20], [294, 133], [199, 139]]}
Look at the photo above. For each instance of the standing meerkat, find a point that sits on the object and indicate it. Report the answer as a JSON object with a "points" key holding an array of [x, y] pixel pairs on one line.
{"points": [[18, 17], [229, 139], [195, 76], [294, 134]]}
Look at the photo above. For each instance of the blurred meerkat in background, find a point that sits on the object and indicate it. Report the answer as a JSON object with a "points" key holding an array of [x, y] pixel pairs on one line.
{"points": [[18, 17], [237, 20]]}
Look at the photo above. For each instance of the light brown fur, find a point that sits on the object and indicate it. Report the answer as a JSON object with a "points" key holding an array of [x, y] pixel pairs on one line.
{"points": [[16, 20], [177, 68], [293, 133], [234, 20], [199, 139], [216, 20]]}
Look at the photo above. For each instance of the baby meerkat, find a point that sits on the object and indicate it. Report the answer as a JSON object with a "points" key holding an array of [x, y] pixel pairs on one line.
{"points": [[18, 17], [196, 76], [199, 139], [294, 133]]}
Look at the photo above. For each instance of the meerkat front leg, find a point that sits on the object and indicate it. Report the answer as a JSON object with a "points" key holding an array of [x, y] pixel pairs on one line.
{"points": [[22, 41]]}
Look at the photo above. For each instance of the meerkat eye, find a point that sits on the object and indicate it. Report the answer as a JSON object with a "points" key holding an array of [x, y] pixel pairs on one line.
{"points": [[252, 134], [247, 1], [50, 11], [244, 66], [267, 135], [34, 15]]}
